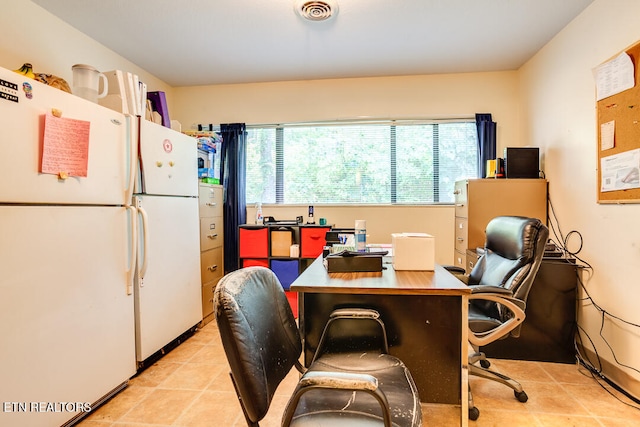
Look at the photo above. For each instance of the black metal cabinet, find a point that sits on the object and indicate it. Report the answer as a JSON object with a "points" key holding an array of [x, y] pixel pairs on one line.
{"points": [[547, 333]]}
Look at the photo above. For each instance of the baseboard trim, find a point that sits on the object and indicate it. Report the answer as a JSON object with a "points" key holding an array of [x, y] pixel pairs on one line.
{"points": [[614, 373]]}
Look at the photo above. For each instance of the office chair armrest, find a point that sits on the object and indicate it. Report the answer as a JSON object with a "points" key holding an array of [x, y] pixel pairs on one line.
{"points": [[515, 306], [454, 269], [458, 272], [489, 289], [338, 381]]}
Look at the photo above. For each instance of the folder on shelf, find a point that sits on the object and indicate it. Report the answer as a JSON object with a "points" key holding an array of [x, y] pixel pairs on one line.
{"points": [[159, 104]]}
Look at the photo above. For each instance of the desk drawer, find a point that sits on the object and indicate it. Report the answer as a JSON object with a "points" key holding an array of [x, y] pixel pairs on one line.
{"points": [[210, 200], [211, 265], [460, 259], [472, 259], [461, 199], [462, 234], [207, 298], [462, 209], [211, 233]]}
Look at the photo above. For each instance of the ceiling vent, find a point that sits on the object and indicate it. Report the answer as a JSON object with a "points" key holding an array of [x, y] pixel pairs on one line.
{"points": [[320, 10]]}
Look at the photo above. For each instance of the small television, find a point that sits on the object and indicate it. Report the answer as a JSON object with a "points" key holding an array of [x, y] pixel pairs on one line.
{"points": [[522, 162]]}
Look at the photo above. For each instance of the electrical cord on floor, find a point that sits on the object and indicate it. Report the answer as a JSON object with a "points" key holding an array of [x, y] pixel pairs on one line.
{"points": [[604, 382], [596, 372]]}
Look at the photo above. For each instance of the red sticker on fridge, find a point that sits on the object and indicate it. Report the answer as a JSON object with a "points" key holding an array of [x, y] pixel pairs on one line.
{"points": [[167, 145]]}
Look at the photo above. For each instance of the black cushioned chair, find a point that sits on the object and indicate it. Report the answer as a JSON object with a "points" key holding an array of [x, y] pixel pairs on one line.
{"points": [[500, 283], [340, 388]]}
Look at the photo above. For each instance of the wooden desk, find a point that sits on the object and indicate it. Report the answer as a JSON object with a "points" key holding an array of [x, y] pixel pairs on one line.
{"points": [[425, 314]]}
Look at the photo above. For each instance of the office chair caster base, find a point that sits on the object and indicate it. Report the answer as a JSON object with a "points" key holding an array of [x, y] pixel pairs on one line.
{"points": [[521, 396], [485, 363], [474, 413]]}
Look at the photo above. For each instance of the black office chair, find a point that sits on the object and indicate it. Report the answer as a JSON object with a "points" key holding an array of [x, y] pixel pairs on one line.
{"points": [[262, 343], [500, 283]]}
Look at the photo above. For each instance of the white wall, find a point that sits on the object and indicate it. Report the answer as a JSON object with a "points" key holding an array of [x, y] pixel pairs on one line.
{"points": [[29, 33], [559, 115], [426, 96]]}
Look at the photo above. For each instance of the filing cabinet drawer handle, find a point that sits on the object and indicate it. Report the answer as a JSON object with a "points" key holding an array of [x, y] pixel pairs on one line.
{"points": [[211, 203], [460, 239], [459, 205], [212, 236], [212, 267]]}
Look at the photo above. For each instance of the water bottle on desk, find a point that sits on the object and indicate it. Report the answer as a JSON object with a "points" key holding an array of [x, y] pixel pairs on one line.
{"points": [[259, 219], [361, 235]]}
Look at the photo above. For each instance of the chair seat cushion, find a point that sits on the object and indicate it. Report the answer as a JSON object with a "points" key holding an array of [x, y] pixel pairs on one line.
{"points": [[359, 408], [480, 322]]}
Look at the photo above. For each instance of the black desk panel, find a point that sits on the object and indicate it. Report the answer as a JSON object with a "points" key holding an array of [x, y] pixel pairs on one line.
{"points": [[423, 331]]}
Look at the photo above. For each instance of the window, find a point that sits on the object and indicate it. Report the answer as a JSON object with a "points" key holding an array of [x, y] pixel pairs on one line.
{"points": [[360, 163]]}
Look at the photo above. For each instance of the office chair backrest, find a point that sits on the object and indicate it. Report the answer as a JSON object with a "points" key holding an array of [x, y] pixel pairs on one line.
{"points": [[513, 252], [259, 335]]}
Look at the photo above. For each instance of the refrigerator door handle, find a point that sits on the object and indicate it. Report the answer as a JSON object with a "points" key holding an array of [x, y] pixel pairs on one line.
{"points": [[133, 156], [131, 270], [145, 245]]}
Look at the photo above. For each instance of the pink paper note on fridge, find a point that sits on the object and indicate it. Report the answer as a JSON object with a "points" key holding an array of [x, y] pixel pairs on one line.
{"points": [[65, 146]]}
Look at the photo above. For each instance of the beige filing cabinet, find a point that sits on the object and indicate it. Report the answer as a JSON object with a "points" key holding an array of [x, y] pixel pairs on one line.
{"points": [[477, 201], [211, 244]]}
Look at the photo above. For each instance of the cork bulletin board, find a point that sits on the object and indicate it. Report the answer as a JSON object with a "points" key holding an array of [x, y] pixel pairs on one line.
{"points": [[618, 121]]}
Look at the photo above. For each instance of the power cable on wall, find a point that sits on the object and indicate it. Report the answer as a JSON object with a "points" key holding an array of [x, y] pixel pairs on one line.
{"points": [[584, 360]]}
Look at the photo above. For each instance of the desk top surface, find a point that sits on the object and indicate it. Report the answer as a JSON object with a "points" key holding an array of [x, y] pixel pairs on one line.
{"points": [[315, 279]]}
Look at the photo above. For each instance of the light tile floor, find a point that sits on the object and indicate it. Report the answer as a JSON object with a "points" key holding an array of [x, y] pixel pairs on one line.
{"points": [[190, 387]]}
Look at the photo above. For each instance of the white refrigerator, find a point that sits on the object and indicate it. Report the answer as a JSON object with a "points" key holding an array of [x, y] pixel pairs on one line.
{"points": [[67, 254], [168, 292]]}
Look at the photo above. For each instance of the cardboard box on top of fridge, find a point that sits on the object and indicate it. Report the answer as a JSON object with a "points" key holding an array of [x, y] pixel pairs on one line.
{"points": [[413, 251]]}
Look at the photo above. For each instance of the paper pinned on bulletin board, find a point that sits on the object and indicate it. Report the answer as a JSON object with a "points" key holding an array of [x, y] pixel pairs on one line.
{"points": [[607, 135], [65, 147], [621, 171], [614, 76]]}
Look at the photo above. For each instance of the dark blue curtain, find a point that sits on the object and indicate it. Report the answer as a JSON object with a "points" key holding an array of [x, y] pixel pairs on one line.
{"points": [[486, 142], [233, 172]]}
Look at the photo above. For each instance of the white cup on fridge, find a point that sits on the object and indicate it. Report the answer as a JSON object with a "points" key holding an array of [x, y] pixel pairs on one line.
{"points": [[86, 83]]}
